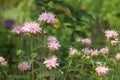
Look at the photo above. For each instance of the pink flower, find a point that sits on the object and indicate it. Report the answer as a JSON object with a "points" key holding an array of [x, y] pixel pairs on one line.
{"points": [[94, 52], [17, 30], [47, 17], [1, 59], [118, 56], [85, 50], [111, 33], [101, 70], [53, 46], [51, 62], [4, 63], [72, 51], [52, 39], [23, 66], [104, 50], [31, 27], [114, 42], [86, 41]]}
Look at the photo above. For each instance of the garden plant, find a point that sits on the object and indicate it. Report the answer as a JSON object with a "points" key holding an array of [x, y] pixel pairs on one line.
{"points": [[56, 44]]}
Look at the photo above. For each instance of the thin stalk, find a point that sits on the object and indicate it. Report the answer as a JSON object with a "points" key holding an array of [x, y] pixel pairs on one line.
{"points": [[100, 78], [108, 41], [66, 74], [31, 46]]}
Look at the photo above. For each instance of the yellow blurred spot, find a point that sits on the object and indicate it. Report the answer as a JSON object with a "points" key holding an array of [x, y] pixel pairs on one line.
{"points": [[56, 24]]}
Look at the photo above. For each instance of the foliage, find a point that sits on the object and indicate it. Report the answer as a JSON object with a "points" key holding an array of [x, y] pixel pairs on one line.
{"points": [[29, 54]]}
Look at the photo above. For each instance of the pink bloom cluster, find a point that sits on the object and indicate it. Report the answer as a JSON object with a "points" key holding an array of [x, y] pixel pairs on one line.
{"points": [[47, 17], [101, 70], [118, 56], [53, 43], [114, 42], [52, 39], [86, 41], [23, 66], [29, 27], [104, 50], [113, 36], [94, 52], [85, 50], [111, 33], [2, 61], [17, 30], [51, 62], [72, 51]]}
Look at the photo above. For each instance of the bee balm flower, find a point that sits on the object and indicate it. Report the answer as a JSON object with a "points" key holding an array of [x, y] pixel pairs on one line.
{"points": [[53, 46], [101, 70], [114, 42], [51, 62], [23, 66], [104, 50], [52, 39], [47, 17], [86, 41], [94, 52], [72, 51], [17, 30], [31, 27], [118, 56], [85, 50], [2, 61], [111, 34]]}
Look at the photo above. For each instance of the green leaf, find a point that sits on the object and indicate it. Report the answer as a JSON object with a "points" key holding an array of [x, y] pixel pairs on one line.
{"points": [[43, 74], [111, 60]]}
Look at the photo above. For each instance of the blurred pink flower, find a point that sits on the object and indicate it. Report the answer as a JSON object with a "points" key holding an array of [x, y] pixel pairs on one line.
{"points": [[118, 56], [86, 41], [1, 59], [51, 62], [53, 46], [31, 27], [111, 33], [94, 52], [72, 51], [104, 50], [23, 66], [4, 63], [17, 30], [85, 50], [114, 42], [101, 70], [47, 17], [52, 38]]}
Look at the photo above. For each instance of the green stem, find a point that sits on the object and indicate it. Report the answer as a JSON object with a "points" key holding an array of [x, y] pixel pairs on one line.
{"points": [[100, 78], [31, 45], [108, 41], [66, 74], [82, 66]]}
